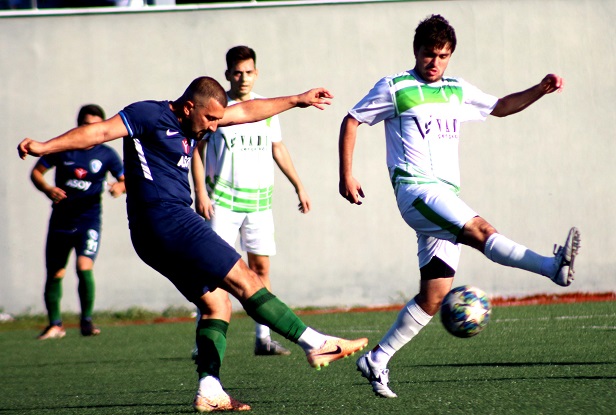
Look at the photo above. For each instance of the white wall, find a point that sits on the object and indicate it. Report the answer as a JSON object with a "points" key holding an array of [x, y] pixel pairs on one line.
{"points": [[532, 175]]}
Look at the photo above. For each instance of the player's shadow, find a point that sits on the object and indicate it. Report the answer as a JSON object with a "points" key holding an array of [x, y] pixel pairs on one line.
{"points": [[505, 365]]}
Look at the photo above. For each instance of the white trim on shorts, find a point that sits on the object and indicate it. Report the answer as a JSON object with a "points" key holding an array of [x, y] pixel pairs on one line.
{"points": [[438, 215]]}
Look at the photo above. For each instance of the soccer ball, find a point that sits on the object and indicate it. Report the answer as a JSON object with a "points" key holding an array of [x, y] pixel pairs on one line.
{"points": [[465, 311]]}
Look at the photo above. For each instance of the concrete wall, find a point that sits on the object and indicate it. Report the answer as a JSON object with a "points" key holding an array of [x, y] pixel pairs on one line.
{"points": [[533, 175]]}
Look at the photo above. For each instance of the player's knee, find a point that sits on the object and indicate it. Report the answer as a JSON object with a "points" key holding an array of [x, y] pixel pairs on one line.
{"points": [[59, 274], [476, 232]]}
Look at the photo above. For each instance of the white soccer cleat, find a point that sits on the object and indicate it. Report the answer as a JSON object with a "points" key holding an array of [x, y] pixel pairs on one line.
{"points": [[378, 378], [269, 347], [564, 256]]}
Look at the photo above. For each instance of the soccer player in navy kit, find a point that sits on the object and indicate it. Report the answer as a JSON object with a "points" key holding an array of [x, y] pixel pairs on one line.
{"points": [[159, 140], [75, 221]]}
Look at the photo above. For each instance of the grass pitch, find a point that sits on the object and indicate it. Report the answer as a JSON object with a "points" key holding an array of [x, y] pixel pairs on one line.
{"points": [[553, 359]]}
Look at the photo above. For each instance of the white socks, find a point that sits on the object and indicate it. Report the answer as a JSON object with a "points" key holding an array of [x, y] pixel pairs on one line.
{"points": [[311, 339], [506, 252], [210, 386], [410, 321], [262, 331]]}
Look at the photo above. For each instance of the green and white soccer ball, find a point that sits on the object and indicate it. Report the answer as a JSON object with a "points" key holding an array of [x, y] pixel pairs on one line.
{"points": [[465, 311]]}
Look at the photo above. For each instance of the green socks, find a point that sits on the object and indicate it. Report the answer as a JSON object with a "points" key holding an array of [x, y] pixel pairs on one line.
{"points": [[211, 343], [86, 293], [265, 308], [53, 295]]}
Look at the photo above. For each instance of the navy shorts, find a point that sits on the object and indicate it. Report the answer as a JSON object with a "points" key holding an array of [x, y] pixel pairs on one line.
{"points": [[175, 241], [85, 239]]}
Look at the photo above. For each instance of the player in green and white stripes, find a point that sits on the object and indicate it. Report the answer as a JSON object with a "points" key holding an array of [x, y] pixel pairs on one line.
{"points": [[423, 111], [236, 193]]}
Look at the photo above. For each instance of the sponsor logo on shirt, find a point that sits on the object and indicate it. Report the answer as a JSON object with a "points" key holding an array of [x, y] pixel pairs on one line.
{"points": [[186, 146], [78, 184], [80, 173], [443, 128], [185, 160]]}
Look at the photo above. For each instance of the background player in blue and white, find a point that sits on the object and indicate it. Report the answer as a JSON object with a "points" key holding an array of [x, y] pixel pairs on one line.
{"points": [[236, 193], [168, 235], [75, 222], [423, 112]]}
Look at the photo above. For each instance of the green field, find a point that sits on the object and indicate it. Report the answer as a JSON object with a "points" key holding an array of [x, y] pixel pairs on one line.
{"points": [[555, 359]]}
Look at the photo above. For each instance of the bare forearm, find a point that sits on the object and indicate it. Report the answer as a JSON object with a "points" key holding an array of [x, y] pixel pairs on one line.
{"points": [[198, 169], [257, 109], [517, 102], [260, 109], [346, 146], [39, 181], [514, 103], [285, 164]]}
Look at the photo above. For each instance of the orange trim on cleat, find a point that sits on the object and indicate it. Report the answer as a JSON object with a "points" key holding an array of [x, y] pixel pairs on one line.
{"points": [[218, 403], [52, 332], [334, 349]]}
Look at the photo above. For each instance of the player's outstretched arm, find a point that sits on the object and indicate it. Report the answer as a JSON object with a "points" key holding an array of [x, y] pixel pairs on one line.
{"points": [[348, 186], [260, 109], [519, 101], [78, 138]]}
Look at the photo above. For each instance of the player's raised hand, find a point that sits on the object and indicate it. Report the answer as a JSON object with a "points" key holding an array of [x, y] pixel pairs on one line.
{"points": [[551, 83], [29, 147], [316, 97], [351, 190]]}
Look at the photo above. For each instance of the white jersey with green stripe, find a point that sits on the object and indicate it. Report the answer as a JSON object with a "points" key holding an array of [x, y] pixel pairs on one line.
{"points": [[239, 165], [422, 124]]}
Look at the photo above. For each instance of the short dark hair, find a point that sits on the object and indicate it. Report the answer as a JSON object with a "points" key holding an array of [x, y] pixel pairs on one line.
{"points": [[203, 88], [434, 32], [240, 53], [90, 109]]}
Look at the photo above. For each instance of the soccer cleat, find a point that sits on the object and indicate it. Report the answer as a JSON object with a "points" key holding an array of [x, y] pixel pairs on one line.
{"points": [[52, 332], [89, 329], [564, 256], [194, 354], [218, 403], [377, 377], [269, 347], [333, 349]]}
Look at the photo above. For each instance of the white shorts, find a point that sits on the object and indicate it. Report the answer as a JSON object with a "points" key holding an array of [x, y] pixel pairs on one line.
{"points": [[256, 229], [438, 215]]}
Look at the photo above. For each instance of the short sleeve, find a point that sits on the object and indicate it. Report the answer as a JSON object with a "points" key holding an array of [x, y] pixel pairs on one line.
{"points": [[376, 106], [477, 104]]}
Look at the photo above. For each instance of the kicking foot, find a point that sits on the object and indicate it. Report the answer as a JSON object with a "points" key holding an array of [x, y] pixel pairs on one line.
{"points": [[52, 332], [378, 378], [564, 256], [333, 349], [218, 403], [269, 347]]}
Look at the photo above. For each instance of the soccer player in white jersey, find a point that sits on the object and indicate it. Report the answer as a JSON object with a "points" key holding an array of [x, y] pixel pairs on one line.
{"points": [[423, 111], [236, 193]]}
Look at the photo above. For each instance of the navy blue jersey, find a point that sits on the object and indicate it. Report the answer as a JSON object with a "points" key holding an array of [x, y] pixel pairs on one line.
{"points": [[157, 155], [166, 232], [81, 174]]}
